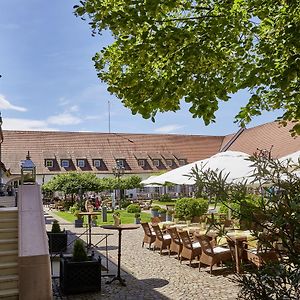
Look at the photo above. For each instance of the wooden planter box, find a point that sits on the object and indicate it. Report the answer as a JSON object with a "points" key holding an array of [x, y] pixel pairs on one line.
{"points": [[57, 242], [79, 277]]}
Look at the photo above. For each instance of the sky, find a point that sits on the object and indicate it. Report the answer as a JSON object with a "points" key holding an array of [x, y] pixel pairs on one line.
{"points": [[49, 81]]}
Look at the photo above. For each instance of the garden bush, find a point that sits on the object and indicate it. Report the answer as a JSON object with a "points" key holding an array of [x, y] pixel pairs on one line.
{"points": [[125, 203], [155, 207], [133, 208], [190, 207], [165, 198]]}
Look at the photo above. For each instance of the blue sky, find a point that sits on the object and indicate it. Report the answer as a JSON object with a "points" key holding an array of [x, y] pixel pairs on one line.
{"points": [[49, 81]]}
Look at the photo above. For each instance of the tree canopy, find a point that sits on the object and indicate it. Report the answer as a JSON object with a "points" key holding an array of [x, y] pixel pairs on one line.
{"points": [[200, 52]]}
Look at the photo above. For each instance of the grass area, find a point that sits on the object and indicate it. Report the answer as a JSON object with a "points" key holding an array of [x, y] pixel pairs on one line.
{"points": [[157, 202], [126, 218]]}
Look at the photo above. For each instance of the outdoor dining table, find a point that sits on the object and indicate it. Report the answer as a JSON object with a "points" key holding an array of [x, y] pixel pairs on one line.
{"points": [[120, 228], [239, 237], [89, 214]]}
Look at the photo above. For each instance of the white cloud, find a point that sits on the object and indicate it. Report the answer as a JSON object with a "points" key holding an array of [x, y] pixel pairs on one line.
{"points": [[74, 108], [25, 124], [172, 128], [5, 104], [64, 119]]}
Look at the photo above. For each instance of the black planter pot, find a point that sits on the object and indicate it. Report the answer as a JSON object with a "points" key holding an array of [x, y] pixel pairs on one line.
{"points": [[79, 277], [78, 223], [57, 242]]}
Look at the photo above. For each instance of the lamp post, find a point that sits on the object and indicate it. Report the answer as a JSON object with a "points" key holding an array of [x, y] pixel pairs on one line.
{"points": [[118, 171], [28, 171]]}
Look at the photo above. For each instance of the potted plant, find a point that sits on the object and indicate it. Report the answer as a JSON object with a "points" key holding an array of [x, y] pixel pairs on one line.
{"points": [[79, 220], [117, 218], [80, 273], [162, 214], [137, 218], [154, 210], [57, 238]]}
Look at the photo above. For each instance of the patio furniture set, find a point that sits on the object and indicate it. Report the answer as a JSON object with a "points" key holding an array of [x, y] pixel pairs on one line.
{"points": [[193, 242]]}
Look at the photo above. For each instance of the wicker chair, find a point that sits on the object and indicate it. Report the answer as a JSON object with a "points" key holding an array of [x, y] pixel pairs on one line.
{"points": [[190, 249], [212, 255], [262, 253], [163, 240], [176, 243], [149, 235]]}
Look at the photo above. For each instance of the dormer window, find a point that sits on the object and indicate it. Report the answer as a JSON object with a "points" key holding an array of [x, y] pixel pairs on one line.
{"points": [[97, 163], [156, 162], [141, 162], [80, 163], [65, 163], [120, 163], [49, 163], [169, 162], [182, 162]]}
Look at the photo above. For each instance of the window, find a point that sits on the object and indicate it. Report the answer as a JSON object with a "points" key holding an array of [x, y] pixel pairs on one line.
{"points": [[182, 162], [141, 162], [49, 163], [65, 163], [120, 163], [156, 162], [169, 162], [97, 163], [80, 163]]}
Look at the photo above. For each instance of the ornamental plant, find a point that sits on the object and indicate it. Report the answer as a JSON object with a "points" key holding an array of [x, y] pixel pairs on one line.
{"points": [[133, 208], [55, 227], [79, 251], [191, 207]]}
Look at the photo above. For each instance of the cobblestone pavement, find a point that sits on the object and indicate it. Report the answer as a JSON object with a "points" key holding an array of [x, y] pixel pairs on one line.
{"points": [[150, 275]]}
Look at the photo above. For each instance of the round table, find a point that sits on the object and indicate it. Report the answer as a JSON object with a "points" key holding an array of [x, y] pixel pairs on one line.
{"points": [[89, 214], [120, 228]]}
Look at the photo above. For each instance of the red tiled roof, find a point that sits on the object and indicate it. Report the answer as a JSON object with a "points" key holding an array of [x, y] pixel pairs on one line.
{"points": [[111, 146], [78, 145], [267, 136]]}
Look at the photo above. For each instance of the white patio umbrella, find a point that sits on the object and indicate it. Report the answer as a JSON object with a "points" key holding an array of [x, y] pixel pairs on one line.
{"points": [[233, 162], [150, 181], [293, 157]]}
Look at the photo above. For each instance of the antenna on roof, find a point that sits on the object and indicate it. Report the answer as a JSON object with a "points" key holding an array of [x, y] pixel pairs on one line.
{"points": [[108, 116]]}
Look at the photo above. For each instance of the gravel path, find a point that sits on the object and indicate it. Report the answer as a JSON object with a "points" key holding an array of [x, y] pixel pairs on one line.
{"points": [[150, 275]]}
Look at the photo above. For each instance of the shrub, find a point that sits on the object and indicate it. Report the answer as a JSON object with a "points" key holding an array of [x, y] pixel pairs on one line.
{"points": [[137, 215], [190, 207], [125, 203], [79, 252], [55, 227], [155, 207], [165, 198], [133, 208], [162, 210]]}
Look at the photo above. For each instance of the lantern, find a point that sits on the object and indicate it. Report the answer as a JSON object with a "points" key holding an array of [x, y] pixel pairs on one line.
{"points": [[28, 171]]}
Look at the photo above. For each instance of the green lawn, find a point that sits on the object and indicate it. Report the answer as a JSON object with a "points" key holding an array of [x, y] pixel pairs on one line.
{"points": [[157, 202], [126, 218]]}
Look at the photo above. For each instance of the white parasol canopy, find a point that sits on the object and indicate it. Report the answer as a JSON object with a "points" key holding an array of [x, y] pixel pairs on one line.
{"points": [[233, 162], [293, 157]]}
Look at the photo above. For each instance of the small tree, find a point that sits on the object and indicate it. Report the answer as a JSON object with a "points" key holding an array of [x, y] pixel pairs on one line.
{"points": [[79, 252], [55, 227]]}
